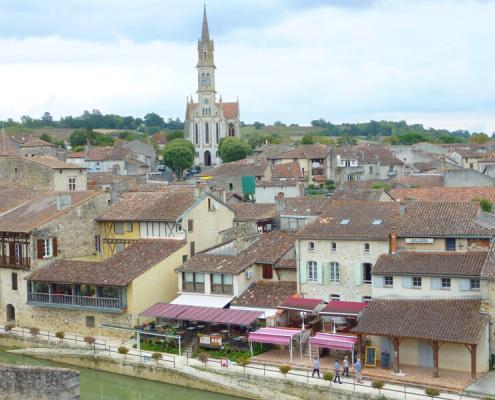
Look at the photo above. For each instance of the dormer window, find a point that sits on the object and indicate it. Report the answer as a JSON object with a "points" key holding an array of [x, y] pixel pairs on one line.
{"points": [[345, 221], [377, 222]]}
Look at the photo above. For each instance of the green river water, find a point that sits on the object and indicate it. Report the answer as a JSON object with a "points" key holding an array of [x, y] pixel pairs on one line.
{"points": [[99, 385]]}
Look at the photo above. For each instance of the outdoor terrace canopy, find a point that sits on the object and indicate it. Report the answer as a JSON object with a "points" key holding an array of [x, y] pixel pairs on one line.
{"points": [[301, 304], [333, 341], [204, 314], [280, 336], [343, 308]]}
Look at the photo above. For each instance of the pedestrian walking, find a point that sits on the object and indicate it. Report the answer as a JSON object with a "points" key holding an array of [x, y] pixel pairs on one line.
{"points": [[336, 368], [316, 367], [345, 363], [357, 368]]}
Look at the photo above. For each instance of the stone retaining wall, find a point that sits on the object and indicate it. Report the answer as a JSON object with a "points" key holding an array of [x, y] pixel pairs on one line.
{"points": [[40, 383]]}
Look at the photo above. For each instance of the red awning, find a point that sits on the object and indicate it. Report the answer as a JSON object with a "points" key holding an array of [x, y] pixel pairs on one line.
{"points": [[343, 308], [301, 304], [203, 314], [281, 336], [333, 341]]}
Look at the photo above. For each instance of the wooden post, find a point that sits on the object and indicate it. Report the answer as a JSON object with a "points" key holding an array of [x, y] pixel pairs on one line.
{"points": [[360, 343], [396, 343], [472, 350], [434, 346]]}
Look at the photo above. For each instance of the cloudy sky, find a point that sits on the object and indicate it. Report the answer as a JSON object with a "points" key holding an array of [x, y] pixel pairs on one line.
{"points": [[425, 61]]}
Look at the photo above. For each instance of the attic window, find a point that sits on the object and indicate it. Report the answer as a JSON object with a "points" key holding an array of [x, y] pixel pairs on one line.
{"points": [[345, 221], [377, 222]]}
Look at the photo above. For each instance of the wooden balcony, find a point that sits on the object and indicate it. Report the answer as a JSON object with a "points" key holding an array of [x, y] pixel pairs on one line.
{"points": [[15, 262], [80, 302]]}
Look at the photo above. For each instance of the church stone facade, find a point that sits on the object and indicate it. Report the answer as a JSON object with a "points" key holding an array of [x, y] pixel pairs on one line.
{"points": [[208, 120]]}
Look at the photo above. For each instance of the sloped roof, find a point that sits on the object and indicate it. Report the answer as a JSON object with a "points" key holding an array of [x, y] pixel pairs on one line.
{"points": [[354, 220], [358, 194], [269, 249], [458, 264], [453, 321], [287, 170], [266, 294], [432, 219], [53, 163], [12, 196], [305, 205], [246, 167], [6, 148], [445, 193], [488, 271], [37, 142], [118, 270], [230, 109], [254, 211], [107, 154], [39, 211], [167, 205], [306, 151], [419, 181]]}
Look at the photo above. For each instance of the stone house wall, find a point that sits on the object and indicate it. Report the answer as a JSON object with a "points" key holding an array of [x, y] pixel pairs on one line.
{"points": [[25, 173]]}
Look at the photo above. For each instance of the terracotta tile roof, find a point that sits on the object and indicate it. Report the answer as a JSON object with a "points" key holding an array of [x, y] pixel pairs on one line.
{"points": [[419, 181], [269, 249], [52, 162], [488, 271], [107, 154], [431, 219], [372, 220], [358, 194], [106, 178], [39, 211], [286, 263], [266, 294], [307, 205], [454, 321], [36, 142], [469, 264], [278, 182], [444, 193], [247, 167], [377, 153], [287, 170], [254, 211], [468, 153], [6, 148], [118, 270], [12, 196], [230, 110], [77, 154], [165, 205], [306, 152], [425, 166]]}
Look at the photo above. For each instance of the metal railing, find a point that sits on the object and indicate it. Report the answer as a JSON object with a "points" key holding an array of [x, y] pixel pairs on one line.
{"points": [[75, 301]]}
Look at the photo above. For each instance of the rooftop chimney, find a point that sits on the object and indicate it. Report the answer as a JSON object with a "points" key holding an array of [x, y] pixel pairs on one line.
{"points": [[393, 241]]}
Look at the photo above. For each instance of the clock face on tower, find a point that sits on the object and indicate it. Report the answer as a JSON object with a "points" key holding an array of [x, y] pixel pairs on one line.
{"points": [[205, 101]]}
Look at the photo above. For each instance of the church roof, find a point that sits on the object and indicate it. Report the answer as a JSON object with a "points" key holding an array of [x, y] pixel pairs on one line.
{"points": [[230, 110], [205, 33]]}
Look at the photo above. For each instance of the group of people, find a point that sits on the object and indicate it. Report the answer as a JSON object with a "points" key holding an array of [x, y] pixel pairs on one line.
{"points": [[337, 369]]}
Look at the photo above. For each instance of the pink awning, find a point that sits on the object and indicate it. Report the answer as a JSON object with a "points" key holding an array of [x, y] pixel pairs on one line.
{"points": [[343, 308], [301, 304], [273, 335], [333, 341], [203, 314]]}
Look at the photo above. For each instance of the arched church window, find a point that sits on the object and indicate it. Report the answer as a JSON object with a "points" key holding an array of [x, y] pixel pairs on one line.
{"points": [[231, 129], [204, 55], [208, 78], [203, 78], [196, 134], [207, 133]]}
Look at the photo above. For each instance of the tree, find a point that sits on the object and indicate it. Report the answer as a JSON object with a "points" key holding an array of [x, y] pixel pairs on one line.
{"points": [[179, 155], [258, 125], [233, 149], [46, 137], [153, 119], [479, 138], [47, 118], [307, 139], [175, 134]]}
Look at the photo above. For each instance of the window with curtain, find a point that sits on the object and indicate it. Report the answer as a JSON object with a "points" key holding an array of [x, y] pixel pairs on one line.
{"points": [[312, 271], [334, 272]]}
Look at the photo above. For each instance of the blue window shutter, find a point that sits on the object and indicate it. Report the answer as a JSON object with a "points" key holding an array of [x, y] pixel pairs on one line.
{"points": [[406, 282], [464, 284], [436, 283], [319, 272], [377, 281], [357, 274], [303, 272]]}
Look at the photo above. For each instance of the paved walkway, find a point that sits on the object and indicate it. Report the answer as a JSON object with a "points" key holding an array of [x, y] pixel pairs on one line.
{"points": [[214, 372], [485, 386]]}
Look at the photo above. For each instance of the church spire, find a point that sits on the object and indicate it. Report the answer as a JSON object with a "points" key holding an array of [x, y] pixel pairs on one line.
{"points": [[205, 33]]}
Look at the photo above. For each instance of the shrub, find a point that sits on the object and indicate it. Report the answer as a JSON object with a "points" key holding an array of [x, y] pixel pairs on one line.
{"points": [[284, 369], [485, 204], [378, 385], [90, 340], [156, 356], [123, 350], [243, 360], [34, 331], [381, 397], [60, 335], [203, 357], [328, 376], [432, 392]]}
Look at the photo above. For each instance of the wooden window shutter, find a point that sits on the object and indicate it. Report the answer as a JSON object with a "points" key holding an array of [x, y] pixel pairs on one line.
{"points": [[40, 245], [55, 247], [190, 225], [192, 249]]}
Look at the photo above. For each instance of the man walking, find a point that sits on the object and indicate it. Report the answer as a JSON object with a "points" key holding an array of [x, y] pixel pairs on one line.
{"points": [[346, 366], [357, 368], [336, 368], [316, 367]]}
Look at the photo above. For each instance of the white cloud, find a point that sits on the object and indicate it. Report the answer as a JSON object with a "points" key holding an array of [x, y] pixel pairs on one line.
{"points": [[427, 62]]}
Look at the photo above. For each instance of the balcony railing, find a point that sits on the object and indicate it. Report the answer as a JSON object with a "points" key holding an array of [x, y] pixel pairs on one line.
{"points": [[69, 301], [193, 287], [14, 261], [354, 170], [317, 171], [222, 289]]}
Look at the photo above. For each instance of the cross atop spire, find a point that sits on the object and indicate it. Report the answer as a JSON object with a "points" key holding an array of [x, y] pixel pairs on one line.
{"points": [[205, 33]]}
